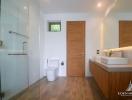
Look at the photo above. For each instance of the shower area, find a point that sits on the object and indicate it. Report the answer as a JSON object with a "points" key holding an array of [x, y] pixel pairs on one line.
{"points": [[14, 37]]}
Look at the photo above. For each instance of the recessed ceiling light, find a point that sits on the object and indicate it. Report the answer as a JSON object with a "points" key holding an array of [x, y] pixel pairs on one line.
{"points": [[99, 4], [25, 7]]}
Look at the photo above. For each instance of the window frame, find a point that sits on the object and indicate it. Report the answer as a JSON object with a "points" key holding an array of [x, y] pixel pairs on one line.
{"points": [[50, 23]]}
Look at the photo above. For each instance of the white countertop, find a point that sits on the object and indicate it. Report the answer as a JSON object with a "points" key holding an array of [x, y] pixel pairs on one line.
{"points": [[115, 68]]}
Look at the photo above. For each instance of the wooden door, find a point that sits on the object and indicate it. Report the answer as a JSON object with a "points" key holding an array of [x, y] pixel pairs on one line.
{"points": [[76, 48], [125, 33]]}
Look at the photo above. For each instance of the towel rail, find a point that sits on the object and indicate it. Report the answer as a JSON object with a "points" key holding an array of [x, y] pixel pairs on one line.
{"points": [[11, 32], [17, 54]]}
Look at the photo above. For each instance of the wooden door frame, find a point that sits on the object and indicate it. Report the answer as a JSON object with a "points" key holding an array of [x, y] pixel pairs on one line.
{"points": [[67, 46]]}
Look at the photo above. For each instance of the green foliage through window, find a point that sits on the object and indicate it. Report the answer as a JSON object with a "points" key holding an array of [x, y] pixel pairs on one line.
{"points": [[54, 26]]}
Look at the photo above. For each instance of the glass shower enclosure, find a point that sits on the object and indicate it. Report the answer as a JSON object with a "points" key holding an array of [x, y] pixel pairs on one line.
{"points": [[13, 47]]}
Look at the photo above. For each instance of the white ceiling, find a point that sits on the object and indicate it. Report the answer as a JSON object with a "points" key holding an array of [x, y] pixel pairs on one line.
{"points": [[123, 6], [74, 6]]}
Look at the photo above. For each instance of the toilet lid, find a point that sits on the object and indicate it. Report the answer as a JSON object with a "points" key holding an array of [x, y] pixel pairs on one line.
{"points": [[53, 63]]}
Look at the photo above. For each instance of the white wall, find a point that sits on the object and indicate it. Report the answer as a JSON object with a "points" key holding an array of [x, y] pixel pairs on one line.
{"points": [[55, 42], [111, 34], [111, 29]]}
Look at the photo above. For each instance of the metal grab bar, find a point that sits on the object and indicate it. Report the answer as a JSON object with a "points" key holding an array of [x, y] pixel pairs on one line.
{"points": [[17, 54], [11, 32]]}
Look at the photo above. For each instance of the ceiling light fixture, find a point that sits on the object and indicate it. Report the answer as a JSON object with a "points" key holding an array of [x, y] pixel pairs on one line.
{"points": [[99, 5]]}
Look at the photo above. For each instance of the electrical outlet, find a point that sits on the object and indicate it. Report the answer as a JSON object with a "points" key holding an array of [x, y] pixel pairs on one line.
{"points": [[98, 51]]}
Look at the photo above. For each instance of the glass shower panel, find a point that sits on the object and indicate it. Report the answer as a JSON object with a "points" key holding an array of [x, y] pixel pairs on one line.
{"points": [[13, 53]]}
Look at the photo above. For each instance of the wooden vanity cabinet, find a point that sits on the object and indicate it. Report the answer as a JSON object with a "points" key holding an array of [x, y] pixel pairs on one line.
{"points": [[111, 83], [101, 77]]}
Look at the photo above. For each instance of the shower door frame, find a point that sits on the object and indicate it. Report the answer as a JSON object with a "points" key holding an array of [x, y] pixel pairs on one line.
{"points": [[0, 68], [1, 94]]}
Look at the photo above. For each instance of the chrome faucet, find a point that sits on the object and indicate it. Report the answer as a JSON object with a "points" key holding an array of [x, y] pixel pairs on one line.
{"points": [[110, 53]]}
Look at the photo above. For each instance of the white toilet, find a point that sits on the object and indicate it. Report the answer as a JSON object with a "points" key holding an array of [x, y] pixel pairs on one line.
{"points": [[52, 69]]}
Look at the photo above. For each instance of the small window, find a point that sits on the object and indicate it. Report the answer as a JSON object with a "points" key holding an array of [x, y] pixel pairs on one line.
{"points": [[54, 26]]}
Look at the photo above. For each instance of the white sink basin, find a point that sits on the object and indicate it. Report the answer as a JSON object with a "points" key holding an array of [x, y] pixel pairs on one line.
{"points": [[114, 60]]}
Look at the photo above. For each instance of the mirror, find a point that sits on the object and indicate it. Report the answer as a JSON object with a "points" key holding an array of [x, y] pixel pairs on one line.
{"points": [[117, 25]]}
